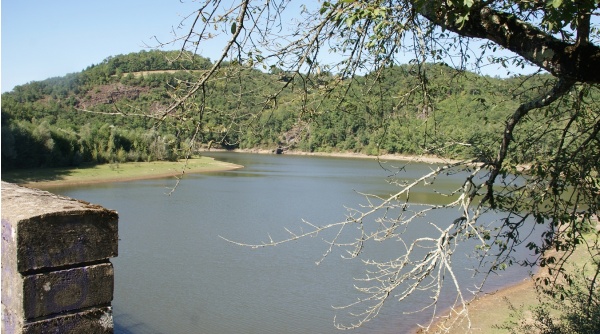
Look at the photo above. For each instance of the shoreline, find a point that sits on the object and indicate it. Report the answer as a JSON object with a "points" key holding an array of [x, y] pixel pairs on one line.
{"points": [[502, 303], [61, 183], [53, 182], [176, 172], [429, 159], [124, 172], [520, 294]]}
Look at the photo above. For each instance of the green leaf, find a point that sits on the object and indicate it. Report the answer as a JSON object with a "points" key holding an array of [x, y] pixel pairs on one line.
{"points": [[556, 3], [233, 27], [325, 7]]}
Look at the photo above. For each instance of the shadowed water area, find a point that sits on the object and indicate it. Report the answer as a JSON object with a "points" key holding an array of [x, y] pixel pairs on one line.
{"points": [[174, 273]]}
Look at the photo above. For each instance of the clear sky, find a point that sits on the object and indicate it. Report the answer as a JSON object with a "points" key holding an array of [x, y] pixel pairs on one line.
{"points": [[43, 39]]}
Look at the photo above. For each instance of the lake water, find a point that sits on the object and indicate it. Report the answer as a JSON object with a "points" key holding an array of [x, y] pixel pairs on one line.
{"points": [[175, 274]]}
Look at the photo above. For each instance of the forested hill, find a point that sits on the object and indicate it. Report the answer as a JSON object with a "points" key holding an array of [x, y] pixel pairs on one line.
{"points": [[94, 116]]}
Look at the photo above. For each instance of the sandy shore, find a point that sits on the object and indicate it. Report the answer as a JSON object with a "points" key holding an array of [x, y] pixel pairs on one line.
{"points": [[487, 311], [123, 173], [384, 157], [174, 174]]}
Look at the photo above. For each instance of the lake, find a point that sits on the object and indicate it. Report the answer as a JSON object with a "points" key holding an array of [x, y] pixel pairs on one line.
{"points": [[175, 274]]}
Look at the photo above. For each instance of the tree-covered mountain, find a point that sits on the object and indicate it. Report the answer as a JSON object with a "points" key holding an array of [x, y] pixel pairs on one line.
{"points": [[109, 112]]}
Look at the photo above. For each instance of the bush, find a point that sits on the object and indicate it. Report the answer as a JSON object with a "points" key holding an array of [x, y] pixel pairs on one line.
{"points": [[573, 308]]}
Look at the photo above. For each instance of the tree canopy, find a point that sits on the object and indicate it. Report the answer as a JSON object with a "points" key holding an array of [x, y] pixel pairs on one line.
{"points": [[78, 119]]}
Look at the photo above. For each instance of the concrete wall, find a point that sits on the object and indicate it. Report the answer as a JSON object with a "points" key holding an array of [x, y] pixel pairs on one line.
{"points": [[56, 273]]}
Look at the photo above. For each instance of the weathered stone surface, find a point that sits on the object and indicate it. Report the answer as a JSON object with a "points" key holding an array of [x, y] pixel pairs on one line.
{"points": [[56, 277], [11, 323], [67, 290], [47, 230], [92, 321]]}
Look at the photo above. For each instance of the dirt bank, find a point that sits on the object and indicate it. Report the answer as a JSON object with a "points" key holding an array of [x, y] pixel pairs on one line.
{"points": [[383, 157]]}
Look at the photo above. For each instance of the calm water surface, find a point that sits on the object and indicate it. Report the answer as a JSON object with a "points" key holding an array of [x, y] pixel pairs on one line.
{"points": [[174, 274]]}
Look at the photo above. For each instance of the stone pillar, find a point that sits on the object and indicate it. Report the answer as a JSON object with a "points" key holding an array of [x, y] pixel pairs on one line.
{"points": [[56, 273]]}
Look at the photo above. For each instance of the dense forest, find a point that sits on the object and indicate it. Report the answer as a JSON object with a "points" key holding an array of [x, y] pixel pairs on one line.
{"points": [[107, 112]]}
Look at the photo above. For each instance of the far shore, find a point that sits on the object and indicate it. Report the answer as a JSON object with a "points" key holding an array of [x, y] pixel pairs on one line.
{"points": [[131, 171], [122, 172], [429, 159]]}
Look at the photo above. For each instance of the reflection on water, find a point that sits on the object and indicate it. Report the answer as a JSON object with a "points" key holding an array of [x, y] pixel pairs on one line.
{"points": [[174, 273]]}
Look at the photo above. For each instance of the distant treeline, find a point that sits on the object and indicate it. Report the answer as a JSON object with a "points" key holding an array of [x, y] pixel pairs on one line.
{"points": [[66, 121]]}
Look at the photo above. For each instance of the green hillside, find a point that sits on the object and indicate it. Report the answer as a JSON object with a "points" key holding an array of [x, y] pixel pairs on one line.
{"points": [[111, 112]]}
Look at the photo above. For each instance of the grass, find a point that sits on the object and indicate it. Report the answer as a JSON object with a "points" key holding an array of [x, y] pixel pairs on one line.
{"points": [[115, 172]]}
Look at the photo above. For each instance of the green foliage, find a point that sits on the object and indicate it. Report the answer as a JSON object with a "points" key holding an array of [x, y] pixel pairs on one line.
{"points": [[67, 121], [571, 309], [63, 121]]}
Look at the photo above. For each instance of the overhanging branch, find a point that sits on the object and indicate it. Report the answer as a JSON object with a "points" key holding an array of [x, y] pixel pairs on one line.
{"points": [[578, 62], [561, 87]]}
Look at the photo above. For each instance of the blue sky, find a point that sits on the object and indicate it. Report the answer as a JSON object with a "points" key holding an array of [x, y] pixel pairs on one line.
{"points": [[43, 39]]}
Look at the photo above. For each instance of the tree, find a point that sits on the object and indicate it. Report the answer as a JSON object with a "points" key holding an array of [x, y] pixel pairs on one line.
{"points": [[553, 131]]}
